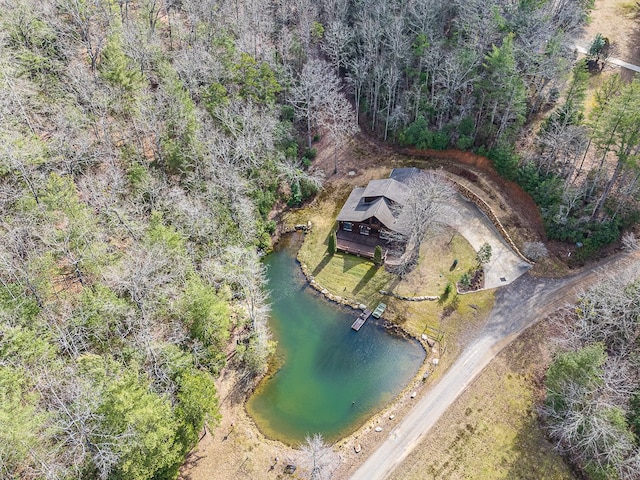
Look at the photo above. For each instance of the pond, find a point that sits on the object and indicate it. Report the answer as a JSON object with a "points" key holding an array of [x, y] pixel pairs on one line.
{"points": [[330, 378]]}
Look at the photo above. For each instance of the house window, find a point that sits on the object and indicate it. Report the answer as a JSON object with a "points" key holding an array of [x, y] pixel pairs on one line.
{"points": [[385, 235], [364, 230], [347, 226]]}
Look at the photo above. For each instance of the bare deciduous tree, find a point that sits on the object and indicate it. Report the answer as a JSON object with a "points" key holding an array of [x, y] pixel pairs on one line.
{"points": [[319, 458], [339, 119], [423, 213], [535, 250], [294, 171], [312, 91], [336, 45], [89, 22], [630, 242]]}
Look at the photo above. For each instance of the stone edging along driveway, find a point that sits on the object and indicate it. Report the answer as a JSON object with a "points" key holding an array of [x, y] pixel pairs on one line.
{"points": [[486, 209], [475, 221]]}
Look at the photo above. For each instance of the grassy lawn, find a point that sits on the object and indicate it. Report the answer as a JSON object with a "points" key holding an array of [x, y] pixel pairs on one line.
{"points": [[345, 275], [359, 279], [491, 432]]}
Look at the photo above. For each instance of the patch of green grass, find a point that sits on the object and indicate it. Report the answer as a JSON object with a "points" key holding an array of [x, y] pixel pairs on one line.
{"points": [[353, 277], [491, 431], [359, 279], [459, 315], [436, 265], [630, 9]]}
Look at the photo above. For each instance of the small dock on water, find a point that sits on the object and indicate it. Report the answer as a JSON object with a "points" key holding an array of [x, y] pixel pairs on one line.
{"points": [[364, 316]]}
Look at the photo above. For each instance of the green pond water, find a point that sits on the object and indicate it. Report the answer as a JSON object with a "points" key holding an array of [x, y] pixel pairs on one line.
{"points": [[324, 365]]}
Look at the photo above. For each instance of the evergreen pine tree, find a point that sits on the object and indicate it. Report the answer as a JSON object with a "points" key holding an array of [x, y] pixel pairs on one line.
{"points": [[333, 241], [377, 255]]}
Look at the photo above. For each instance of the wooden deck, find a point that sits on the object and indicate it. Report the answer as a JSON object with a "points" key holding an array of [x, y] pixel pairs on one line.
{"points": [[360, 320], [360, 245], [355, 248]]}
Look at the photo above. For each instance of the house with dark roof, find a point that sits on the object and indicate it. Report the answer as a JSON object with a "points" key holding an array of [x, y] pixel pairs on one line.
{"points": [[368, 216]]}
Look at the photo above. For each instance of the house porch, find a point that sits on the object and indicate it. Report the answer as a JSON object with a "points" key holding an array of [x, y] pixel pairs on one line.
{"points": [[361, 245]]}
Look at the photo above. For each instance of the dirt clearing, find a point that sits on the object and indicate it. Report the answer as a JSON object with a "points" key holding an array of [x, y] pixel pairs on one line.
{"points": [[619, 21]]}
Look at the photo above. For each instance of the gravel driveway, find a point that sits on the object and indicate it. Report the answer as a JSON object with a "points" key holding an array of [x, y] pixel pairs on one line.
{"points": [[518, 306], [505, 265]]}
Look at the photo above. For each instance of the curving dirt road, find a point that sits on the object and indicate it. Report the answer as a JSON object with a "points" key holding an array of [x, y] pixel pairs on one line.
{"points": [[517, 307]]}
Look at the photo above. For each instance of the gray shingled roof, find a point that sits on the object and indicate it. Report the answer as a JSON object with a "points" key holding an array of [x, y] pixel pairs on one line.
{"points": [[387, 190], [404, 174]]}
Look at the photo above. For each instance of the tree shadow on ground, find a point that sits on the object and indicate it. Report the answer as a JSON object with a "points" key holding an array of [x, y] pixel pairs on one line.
{"points": [[633, 47], [244, 384], [191, 461], [391, 285], [366, 278], [533, 456], [352, 261], [380, 283], [325, 260]]}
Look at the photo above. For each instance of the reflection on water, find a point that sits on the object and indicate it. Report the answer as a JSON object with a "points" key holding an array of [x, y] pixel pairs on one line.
{"points": [[332, 378]]}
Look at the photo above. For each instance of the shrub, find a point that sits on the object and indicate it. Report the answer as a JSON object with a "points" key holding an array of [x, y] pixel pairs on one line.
{"points": [[291, 149], [528, 177], [307, 189], [598, 235], [439, 141], [296, 194], [377, 255], [415, 133], [445, 294], [464, 143], [317, 30], [214, 96], [287, 113], [115, 66], [535, 250], [310, 153], [484, 254], [333, 243], [466, 127], [270, 226], [419, 135], [265, 198]]}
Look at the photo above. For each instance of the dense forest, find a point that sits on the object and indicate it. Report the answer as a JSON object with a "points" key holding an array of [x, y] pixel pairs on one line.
{"points": [[144, 143], [141, 150], [592, 409]]}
